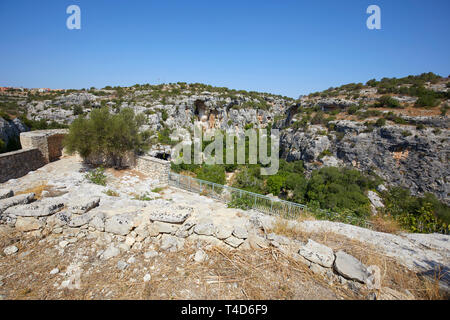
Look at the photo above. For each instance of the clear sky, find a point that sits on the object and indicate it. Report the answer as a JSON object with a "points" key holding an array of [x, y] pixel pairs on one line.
{"points": [[282, 46]]}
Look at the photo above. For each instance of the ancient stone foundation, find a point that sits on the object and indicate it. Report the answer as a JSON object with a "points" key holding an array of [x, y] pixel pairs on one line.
{"points": [[38, 149], [155, 168]]}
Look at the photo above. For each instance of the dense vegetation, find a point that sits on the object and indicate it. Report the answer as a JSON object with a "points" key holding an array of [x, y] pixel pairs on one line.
{"points": [[418, 214]]}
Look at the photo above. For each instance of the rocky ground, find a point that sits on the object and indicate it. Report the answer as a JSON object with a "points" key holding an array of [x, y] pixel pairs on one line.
{"points": [[63, 237]]}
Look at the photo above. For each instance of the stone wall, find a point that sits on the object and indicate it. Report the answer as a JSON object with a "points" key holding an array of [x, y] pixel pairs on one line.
{"points": [[49, 142], [18, 163], [155, 168], [38, 149]]}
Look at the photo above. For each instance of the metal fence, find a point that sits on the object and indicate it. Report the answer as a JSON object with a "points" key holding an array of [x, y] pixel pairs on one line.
{"points": [[261, 203]]}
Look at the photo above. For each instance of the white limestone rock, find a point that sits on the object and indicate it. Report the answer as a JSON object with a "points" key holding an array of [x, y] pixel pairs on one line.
{"points": [[317, 253], [350, 267], [15, 200], [6, 193]]}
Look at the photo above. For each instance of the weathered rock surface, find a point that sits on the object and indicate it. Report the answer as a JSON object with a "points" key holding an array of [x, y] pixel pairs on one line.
{"points": [[169, 218], [120, 224], [25, 224], [233, 241], [6, 193], [42, 208], [16, 200], [317, 253], [206, 229], [350, 267], [82, 205]]}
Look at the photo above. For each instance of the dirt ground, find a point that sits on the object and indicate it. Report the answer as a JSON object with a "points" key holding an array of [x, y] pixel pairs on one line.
{"points": [[226, 274]]}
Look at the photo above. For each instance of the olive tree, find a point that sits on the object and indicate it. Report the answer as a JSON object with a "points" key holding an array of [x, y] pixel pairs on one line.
{"points": [[106, 137]]}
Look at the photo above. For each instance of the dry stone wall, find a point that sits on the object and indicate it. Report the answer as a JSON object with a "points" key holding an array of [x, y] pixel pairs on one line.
{"points": [[38, 149], [18, 163], [155, 168]]}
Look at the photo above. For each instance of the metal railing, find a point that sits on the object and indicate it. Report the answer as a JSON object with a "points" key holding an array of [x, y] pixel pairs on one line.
{"points": [[259, 202]]}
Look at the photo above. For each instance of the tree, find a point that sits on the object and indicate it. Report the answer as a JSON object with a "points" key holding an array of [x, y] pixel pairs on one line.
{"points": [[77, 110], [106, 137]]}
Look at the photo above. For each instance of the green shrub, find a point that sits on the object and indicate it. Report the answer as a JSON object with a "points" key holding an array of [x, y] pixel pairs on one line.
{"points": [[111, 193], [418, 214], [107, 136], [274, 184], [243, 203], [387, 102], [427, 100], [97, 176], [340, 188], [406, 133], [381, 122], [420, 126], [212, 173], [77, 110]]}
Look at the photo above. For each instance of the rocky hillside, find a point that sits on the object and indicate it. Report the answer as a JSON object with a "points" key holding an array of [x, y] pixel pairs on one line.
{"points": [[395, 128]]}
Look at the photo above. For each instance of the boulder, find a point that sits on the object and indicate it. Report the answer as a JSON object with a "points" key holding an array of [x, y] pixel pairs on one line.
{"points": [[233, 241], [162, 227], [169, 218], [206, 229], [10, 250], [257, 242], [98, 221], [120, 224], [110, 252], [80, 220], [15, 200], [350, 267], [223, 231], [25, 224], [42, 208], [6, 193], [200, 256], [317, 253], [185, 230], [375, 199], [240, 232], [374, 279], [171, 243], [83, 205], [150, 254]]}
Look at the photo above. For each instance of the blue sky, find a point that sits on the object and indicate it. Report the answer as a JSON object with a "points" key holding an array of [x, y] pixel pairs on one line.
{"points": [[285, 47]]}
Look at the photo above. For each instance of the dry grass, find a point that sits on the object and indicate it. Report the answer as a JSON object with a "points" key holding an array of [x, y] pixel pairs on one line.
{"points": [[37, 190], [386, 224], [283, 227], [226, 274]]}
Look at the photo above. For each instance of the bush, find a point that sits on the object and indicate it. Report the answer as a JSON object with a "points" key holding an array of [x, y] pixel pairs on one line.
{"points": [[387, 102], [274, 184], [212, 173], [106, 136], [77, 110], [426, 101], [380, 122], [97, 176], [418, 214], [337, 189]]}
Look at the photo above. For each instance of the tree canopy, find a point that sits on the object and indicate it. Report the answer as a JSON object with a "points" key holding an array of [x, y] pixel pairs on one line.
{"points": [[106, 136]]}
